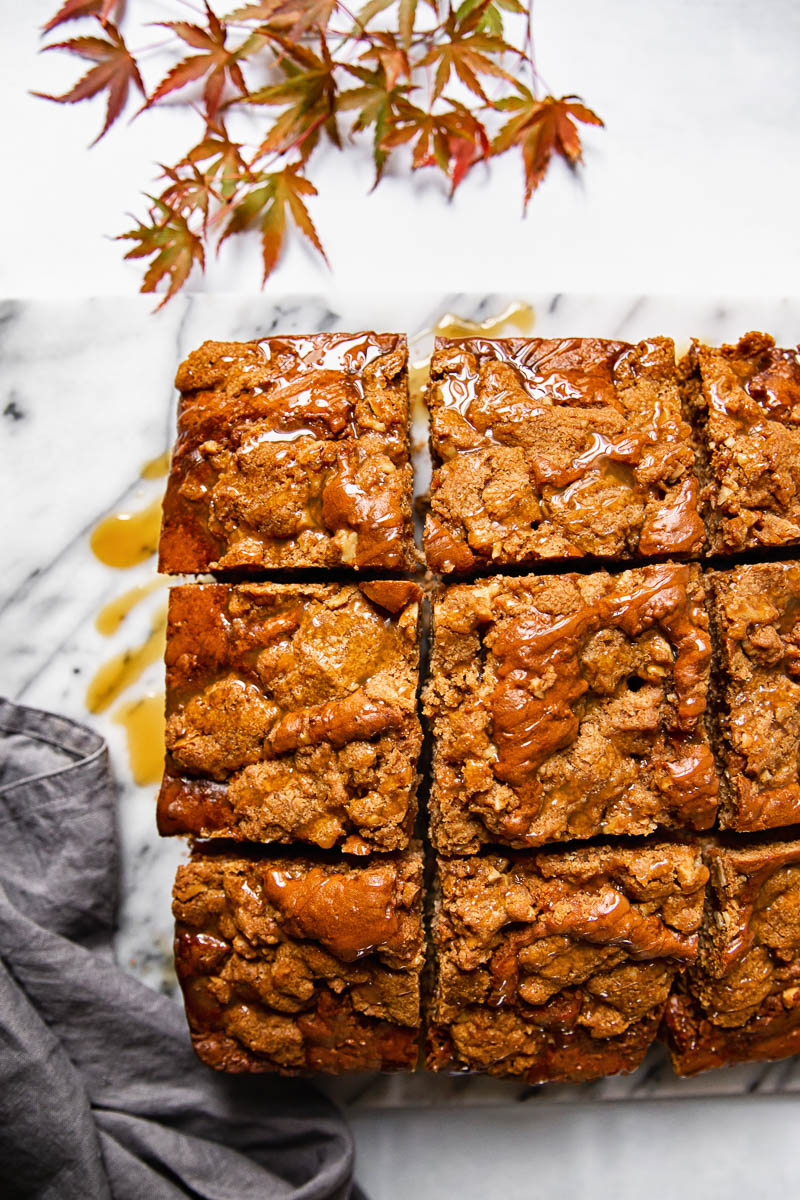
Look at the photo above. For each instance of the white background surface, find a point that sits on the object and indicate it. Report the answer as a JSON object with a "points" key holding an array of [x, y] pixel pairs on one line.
{"points": [[693, 187], [694, 184]]}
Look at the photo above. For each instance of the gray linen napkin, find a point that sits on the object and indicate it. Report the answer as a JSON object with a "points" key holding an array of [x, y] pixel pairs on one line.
{"points": [[100, 1092]]}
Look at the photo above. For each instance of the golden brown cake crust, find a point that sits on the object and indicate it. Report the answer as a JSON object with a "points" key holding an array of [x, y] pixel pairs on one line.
{"points": [[292, 453], [558, 965], [755, 612], [746, 401], [553, 449], [292, 964], [568, 706], [741, 1001], [291, 713]]}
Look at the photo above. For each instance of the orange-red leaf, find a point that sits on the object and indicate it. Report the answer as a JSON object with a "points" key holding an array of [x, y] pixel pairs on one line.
{"points": [[541, 128], [309, 94], [190, 191], [453, 140], [114, 72], [294, 17], [172, 244], [223, 158], [73, 9], [467, 51], [216, 62], [274, 197], [386, 52]]}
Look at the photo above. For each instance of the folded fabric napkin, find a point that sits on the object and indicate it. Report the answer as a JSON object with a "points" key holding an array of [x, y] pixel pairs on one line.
{"points": [[100, 1092]]}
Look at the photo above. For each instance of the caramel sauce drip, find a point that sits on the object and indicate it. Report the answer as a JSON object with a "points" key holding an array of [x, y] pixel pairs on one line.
{"points": [[539, 679], [741, 936], [529, 727], [126, 539], [354, 718], [518, 315], [677, 528], [596, 912], [114, 676], [603, 915], [349, 503], [777, 386], [764, 383], [111, 615], [156, 468], [143, 721], [351, 915], [527, 377], [123, 540]]}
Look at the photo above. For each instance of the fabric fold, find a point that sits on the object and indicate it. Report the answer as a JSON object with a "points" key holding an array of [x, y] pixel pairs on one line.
{"points": [[100, 1092]]}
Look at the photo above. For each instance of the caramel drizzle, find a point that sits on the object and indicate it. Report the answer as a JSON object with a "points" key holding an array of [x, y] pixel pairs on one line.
{"points": [[119, 672], [350, 914], [450, 325], [143, 722], [741, 935], [125, 539], [595, 912]]}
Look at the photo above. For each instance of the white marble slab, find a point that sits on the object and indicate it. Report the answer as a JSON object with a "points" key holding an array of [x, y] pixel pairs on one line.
{"points": [[86, 399]]}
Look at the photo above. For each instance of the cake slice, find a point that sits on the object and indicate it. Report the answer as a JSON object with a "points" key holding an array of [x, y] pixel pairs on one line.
{"points": [[570, 706], [292, 453], [755, 612], [745, 402], [296, 964], [740, 1002], [292, 713], [548, 449], [557, 965]]}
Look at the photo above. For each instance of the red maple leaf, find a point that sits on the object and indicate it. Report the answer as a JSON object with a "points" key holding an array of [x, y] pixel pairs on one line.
{"points": [[222, 157], [216, 61], [291, 16], [115, 71], [276, 196], [308, 93], [175, 246], [453, 140], [467, 51], [73, 9], [541, 128]]}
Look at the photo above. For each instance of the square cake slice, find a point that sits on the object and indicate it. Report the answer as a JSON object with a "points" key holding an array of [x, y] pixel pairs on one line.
{"points": [[557, 965], [291, 964], [740, 1002], [558, 449], [292, 453], [755, 614], [292, 713], [745, 399], [568, 706]]}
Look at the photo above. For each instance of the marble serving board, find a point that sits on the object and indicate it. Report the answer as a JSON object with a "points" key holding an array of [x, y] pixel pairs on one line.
{"points": [[86, 399]]}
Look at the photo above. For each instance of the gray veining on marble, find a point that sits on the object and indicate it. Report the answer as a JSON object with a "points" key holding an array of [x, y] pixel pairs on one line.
{"points": [[86, 398]]}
